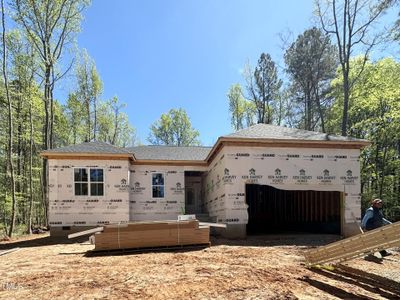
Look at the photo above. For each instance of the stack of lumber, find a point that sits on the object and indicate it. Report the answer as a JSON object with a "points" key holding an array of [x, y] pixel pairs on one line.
{"points": [[151, 234], [356, 246]]}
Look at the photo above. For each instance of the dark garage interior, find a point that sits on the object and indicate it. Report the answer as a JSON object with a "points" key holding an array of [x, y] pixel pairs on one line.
{"points": [[273, 210]]}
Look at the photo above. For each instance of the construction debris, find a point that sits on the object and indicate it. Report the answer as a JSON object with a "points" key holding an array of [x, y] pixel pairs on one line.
{"points": [[151, 234], [219, 225], [9, 251], [356, 246], [85, 232]]}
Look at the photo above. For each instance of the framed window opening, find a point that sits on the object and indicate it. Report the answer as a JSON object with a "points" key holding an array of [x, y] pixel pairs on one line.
{"points": [[158, 185], [89, 181]]}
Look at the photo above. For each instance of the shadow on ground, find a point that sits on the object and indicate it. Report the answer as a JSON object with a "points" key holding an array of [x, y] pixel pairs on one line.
{"points": [[40, 241], [118, 252], [370, 282], [307, 240]]}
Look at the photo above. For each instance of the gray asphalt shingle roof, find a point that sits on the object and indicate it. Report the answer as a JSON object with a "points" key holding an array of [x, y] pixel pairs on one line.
{"points": [[198, 153], [91, 147], [153, 152], [266, 131]]}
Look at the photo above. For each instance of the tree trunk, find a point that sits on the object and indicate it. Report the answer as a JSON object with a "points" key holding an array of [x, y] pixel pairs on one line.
{"points": [[47, 134], [114, 139], [5, 201], [95, 118], [346, 96], [320, 112], [88, 119], [44, 198], [18, 150], [51, 142], [29, 225], [10, 126]]}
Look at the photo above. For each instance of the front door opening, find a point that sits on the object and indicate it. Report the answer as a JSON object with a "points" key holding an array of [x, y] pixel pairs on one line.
{"points": [[273, 210], [193, 192]]}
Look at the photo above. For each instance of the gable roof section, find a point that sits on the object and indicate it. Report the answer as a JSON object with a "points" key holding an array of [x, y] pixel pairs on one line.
{"points": [[256, 135], [89, 149], [266, 131], [142, 153], [171, 153], [277, 136]]}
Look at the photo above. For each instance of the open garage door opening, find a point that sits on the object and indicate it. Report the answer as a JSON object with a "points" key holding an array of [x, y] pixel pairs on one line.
{"points": [[272, 210]]}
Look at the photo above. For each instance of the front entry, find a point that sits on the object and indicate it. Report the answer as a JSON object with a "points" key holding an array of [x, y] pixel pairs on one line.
{"points": [[193, 193]]}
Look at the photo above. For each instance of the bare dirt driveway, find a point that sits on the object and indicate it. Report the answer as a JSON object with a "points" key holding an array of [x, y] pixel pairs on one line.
{"points": [[260, 267]]}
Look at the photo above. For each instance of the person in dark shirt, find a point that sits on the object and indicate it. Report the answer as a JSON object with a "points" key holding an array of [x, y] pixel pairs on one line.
{"points": [[373, 219]]}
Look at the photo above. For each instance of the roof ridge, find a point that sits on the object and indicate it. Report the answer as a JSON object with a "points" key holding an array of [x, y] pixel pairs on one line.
{"points": [[172, 146]]}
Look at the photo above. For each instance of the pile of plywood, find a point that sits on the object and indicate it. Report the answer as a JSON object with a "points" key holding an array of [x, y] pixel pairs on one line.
{"points": [[356, 246], [151, 234]]}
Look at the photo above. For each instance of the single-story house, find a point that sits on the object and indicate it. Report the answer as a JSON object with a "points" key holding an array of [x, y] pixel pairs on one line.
{"points": [[261, 179]]}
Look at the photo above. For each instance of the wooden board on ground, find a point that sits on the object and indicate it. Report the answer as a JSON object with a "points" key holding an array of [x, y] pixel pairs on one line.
{"points": [[356, 246], [151, 234], [9, 251]]}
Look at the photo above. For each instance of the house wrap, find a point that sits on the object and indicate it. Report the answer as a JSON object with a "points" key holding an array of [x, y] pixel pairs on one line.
{"points": [[263, 178]]}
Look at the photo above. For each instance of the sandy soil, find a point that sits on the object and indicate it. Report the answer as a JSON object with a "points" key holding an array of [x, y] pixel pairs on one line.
{"points": [[262, 267]]}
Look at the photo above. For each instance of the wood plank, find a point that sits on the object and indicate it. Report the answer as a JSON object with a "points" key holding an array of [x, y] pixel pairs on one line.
{"points": [[219, 225], [85, 232], [151, 234], [372, 241], [9, 251]]}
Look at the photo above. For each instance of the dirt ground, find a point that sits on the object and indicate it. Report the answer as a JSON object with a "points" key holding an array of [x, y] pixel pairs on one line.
{"points": [[260, 267]]}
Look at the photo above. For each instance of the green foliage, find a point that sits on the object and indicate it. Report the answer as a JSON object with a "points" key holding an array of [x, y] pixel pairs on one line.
{"points": [[374, 114], [40, 25], [174, 128], [75, 115], [311, 63], [267, 86], [242, 111], [88, 91], [113, 124]]}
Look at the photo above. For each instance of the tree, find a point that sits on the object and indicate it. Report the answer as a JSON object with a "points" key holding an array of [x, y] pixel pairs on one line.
{"points": [[250, 112], [25, 99], [89, 89], [10, 122], [374, 114], [263, 87], [242, 111], [396, 30], [113, 124], [49, 26], [351, 24], [311, 64], [236, 106], [174, 128], [75, 111]]}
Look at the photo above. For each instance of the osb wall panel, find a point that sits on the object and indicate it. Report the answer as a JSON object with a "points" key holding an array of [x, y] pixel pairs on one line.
{"points": [[283, 168], [215, 196], [66, 209], [142, 204]]}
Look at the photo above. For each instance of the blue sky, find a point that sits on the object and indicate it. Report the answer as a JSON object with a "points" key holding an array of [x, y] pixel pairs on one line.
{"points": [[158, 55]]}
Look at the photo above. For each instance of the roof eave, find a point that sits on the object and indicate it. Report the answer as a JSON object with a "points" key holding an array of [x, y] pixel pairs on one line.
{"points": [[170, 162], [48, 154], [351, 144], [362, 143]]}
